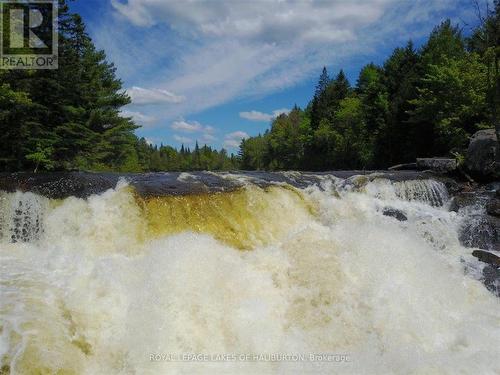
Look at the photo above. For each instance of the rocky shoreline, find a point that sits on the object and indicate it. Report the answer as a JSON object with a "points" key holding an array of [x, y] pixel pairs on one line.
{"points": [[482, 230]]}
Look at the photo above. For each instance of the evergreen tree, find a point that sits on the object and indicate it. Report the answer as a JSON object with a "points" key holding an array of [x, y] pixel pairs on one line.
{"points": [[375, 107], [400, 141], [420, 103], [323, 82], [75, 121], [485, 41], [316, 113]]}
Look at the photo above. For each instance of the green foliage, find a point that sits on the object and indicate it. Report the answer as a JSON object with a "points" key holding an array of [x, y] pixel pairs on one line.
{"points": [[486, 42], [451, 98], [285, 141], [419, 103], [167, 158], [69, 118], [42, 157], [254, 152], [445, 41]]}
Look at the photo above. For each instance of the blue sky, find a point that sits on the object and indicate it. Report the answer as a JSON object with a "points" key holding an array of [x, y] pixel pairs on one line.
{"points": [[217, 71]]}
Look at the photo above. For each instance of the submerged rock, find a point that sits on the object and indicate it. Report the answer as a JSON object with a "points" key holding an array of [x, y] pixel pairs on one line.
{"points": [[487, 257], [491, 279], [491, 272], [479, 227], [493, 207], [464, 199], [482, 232], [482, 159], [397, 214]]}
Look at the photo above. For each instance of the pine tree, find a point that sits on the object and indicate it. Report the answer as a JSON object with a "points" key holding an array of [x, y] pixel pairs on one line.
{"points": [[74, 122], [323, 82], [316, 111]]}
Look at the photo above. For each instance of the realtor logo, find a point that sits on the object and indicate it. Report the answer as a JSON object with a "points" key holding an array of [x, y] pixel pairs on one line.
{"points": [[29, 35]]}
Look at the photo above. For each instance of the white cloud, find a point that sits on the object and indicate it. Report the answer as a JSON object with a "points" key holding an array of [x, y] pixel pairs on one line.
{"points": [[238, 134], [233, 140], [139, 117], [142, 96], [256, 116], [218, 51], [191, 127], [272, 21], [187, 127], [260, 116], [205, 131], [181, 139], [136, 13]]}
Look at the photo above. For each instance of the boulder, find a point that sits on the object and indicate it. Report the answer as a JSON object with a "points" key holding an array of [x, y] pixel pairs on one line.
{"points": [[482, 160], [441, 165]]}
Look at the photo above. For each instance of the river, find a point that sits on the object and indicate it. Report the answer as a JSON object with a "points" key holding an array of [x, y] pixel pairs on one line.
{"points": [[242, 273]]}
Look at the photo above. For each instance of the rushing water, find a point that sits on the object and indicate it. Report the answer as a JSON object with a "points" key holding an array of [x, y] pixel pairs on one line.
{"points": [[119, 283]]}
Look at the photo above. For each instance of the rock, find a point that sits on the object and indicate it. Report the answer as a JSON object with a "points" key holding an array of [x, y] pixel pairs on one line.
{"points": [[464, 199], [493, 207], [440, 165], [481, 232], [481, 160], [404, 167], [491, 279], [487, 257], [452, 186], [397, 214], [59, 185], [479, 228], [493, 187]]}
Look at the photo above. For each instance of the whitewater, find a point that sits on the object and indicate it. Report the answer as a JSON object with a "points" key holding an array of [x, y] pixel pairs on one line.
{"points": [[274, 279]]}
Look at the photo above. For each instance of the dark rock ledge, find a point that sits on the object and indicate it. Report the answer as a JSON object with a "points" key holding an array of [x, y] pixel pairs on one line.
{"points": [[60, 185]]}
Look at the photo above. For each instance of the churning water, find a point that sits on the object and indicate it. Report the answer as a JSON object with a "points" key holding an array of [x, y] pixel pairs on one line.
{"points": [[123, 284]]}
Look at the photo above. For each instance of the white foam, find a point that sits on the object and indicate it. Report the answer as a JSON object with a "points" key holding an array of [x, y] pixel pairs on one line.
{"points": [[90, 297]]}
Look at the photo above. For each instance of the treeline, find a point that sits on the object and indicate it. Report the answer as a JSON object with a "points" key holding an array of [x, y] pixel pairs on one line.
{"points": [[69, 118], [167, 158], [419, 103]]}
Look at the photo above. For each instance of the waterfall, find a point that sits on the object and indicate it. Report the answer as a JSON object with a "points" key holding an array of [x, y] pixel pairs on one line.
{"points": [[429, 191], [268, 279], [21, 216]]}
